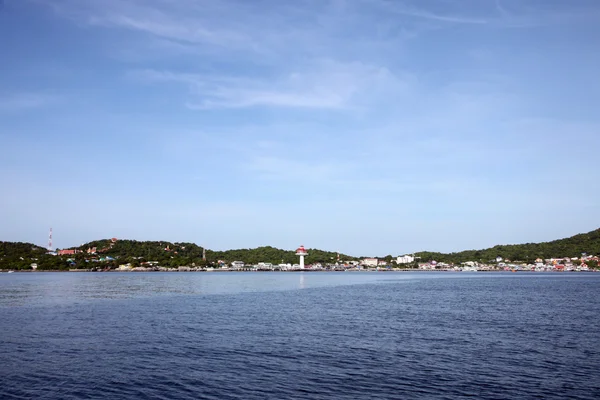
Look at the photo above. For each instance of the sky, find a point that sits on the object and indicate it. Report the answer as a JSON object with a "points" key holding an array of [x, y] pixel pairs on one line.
{"points": [[369, 127]]}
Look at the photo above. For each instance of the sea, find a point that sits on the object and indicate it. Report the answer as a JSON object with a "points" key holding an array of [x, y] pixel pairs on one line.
{"points": [[300, 335]]}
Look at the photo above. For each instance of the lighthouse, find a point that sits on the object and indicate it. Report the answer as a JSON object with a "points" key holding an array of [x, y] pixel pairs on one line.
{"points": [[301, 251]]}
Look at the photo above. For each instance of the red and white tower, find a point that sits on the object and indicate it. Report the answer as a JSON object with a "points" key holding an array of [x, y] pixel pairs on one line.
{"points": [[301, 251], [50, 240]]}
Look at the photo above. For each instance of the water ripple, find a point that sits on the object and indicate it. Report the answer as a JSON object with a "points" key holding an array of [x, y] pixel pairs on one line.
{"points": [[422, 337]]}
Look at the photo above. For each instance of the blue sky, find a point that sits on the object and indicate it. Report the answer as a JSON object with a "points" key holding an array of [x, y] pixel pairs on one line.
{"points": [[370, 127]]}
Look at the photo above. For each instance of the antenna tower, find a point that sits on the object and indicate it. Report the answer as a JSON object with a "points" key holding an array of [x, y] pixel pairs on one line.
{"points": [[50, 240]]}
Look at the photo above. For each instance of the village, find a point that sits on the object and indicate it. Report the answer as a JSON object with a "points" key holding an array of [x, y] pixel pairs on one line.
{"points": [[565, 264], [402, 263], [95, 259]]}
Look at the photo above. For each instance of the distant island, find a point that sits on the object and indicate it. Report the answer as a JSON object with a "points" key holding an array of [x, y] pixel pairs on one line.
{"points": [[579, 252]]}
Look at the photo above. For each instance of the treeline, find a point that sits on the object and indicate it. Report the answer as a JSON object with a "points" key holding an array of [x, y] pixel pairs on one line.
{"points": [[275, 256], [19, 249], [191, 253], [111, 254], [21, 256], [150, 250], [570, 247], [17, 255], [136, 252]]}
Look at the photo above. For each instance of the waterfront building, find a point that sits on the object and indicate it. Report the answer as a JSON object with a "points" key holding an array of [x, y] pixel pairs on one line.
{"points": [[406, 259], [370, 262]]}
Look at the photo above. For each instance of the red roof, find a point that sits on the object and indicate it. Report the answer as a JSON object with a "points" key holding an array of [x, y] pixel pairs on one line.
{"points": [[301, 249]]}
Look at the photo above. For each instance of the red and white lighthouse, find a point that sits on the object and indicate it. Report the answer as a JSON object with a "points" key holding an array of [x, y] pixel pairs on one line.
{"points": [[301, 251]]}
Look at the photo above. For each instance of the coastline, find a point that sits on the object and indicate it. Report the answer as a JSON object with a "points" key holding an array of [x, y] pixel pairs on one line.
{"points": [[293, 271]]}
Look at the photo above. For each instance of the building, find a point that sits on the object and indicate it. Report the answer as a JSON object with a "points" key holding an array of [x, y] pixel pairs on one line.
{"points": [[237, 264], [370, 262], [406, 259], [68, 252]]}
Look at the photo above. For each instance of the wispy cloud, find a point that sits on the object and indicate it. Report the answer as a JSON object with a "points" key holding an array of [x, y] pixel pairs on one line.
{"points": [[270, 29], [174, 26], [493, 13], [228, 24], [264, 31], [413, 10], [326, 85], [394, 113], [501, 8], [25, 101]]}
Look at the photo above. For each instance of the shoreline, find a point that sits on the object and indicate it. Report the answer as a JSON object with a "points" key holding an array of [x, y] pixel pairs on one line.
{"points": [[296, 270]]}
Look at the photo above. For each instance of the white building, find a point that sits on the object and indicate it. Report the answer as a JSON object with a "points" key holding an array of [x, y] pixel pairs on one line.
{"points": [[370, 262], [406, 259], [237, 264]]}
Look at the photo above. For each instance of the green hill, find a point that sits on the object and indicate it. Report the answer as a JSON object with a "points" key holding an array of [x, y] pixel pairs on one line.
{"points": [[19, 249], [19, 255], [573, 246], [110, 253], [274, 256], [149, 250], [190, 252]]}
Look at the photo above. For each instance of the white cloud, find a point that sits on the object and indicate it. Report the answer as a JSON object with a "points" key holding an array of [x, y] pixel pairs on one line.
{"points": [[25, 101], [407, 9], [493, 13], [242, 26], [396, 146], [267, 31], [324, 84]]}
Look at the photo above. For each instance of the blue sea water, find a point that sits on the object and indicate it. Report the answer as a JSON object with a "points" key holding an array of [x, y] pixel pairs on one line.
{"points": [[299, 335]]}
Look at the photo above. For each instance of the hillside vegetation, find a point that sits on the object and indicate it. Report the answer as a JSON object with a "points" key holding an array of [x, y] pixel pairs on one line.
{"points": [[110, 254], [18, 255], [192, 253], [573, 246], [19, 249], [275, 256]]}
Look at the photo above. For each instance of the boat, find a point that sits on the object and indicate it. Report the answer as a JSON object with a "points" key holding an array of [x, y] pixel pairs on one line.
{"points": [[10, 272]]}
